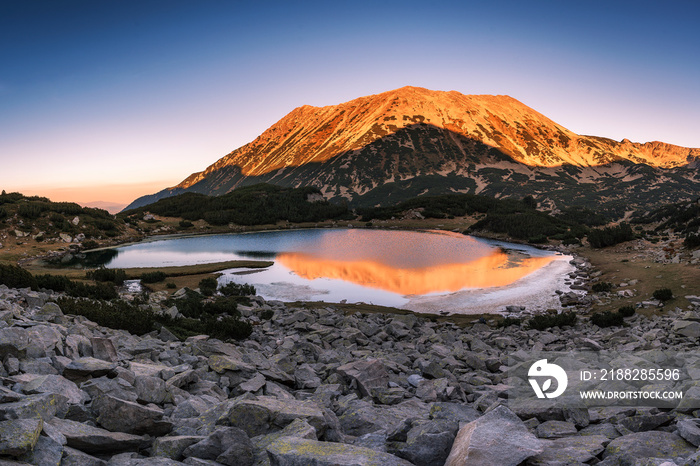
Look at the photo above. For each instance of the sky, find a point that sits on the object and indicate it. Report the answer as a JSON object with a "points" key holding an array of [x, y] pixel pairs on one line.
{"points": [[110, 100]]}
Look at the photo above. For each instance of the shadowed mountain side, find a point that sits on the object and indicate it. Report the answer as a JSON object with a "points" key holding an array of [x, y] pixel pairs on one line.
{"points": [[425, 159]]}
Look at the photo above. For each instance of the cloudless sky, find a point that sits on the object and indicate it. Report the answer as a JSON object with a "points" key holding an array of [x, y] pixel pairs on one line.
{"points": [[109, 100]]}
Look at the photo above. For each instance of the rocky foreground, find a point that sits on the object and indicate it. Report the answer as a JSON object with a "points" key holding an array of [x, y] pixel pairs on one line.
{"points": [[313, 387]]}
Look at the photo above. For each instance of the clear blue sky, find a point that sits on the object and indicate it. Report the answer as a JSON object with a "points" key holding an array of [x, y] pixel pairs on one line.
{"points": [[142, 93]]}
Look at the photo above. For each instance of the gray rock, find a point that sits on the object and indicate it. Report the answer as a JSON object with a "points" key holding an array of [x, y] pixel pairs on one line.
{"points": [[50, 312], [95, 440], [292, 451], [150, 389], [429, 442], [266, 414], [13, 342], [83, 368], [57, 384], [103, 348], [173, 447], [305, 377], [19, 436], [570, 450], [368, 374], [645, 422], [132, 418], [498, 438], [44, 406], [652, 444], [47, 451], [227, 445], [254, 384], [73, 457], [555, 429], [689, 430]]}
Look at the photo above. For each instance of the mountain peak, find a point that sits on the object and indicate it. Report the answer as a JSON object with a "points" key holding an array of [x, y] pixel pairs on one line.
{"points": [[412, 131]]}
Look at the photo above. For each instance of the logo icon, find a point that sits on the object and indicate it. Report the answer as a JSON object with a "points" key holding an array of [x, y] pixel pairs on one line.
{"points": [[543, 369]]}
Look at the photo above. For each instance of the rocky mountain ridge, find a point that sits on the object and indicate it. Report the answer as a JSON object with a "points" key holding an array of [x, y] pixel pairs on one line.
{"points": [[432, 141]]}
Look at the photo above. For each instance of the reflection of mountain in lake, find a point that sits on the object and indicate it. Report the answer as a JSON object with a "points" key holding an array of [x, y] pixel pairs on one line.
{"points": [[488, 271]]}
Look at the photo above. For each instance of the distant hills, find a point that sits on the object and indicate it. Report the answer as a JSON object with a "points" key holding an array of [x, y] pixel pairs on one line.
{"points": [[389, 147]]}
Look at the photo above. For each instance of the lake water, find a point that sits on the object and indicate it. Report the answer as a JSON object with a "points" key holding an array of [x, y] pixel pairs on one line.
{"points": [[418, 270]]}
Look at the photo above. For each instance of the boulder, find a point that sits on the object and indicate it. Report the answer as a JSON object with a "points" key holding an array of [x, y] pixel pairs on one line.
{"points": [[652, 444], [570, 450], [498, 438], [84, 368], [689, 430], [125, 416], [555, 429], [150, 389], [173, 447], [429, 443], [44, 406], [265, 414], [56, 384], [103, 348], [227, 445], [95, 440], [47, 451], [293, 451], [19, 436], [73, 457], [368, 374], [50, 312]]}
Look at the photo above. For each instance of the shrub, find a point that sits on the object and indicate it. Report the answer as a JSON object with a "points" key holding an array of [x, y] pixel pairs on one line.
{"points": [[229, 327], [116, 276], [170, 285], [663, 294], [692, 241], [267, 314], [626, 311], [208, 286], [508, 321], [153, 277], [234, 289], [186, 224], [600, 238], [602, 287], [222, 306], [16, 277], [90, 244], [545, 321], [607, 319], [116, 315]]}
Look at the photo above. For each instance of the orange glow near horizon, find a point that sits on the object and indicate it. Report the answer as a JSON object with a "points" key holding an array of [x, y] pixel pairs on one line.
{"points": [[484, 272]]}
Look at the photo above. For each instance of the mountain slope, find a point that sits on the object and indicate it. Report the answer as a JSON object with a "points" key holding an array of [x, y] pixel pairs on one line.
{"points": [[411, 135]]}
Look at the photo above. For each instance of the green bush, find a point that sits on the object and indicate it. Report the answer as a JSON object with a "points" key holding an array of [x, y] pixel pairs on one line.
{"points": [[153, 277], [602, 287], [607, 319], [229, 327], [626, 311], [208, 286], [234, 289], [186, 224], [267, 314], [663, 294], [692, 241], [545, 321], [116, 315], [170, 285], [508, 321], [16, 277], [116, 276], [600, 238]]}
